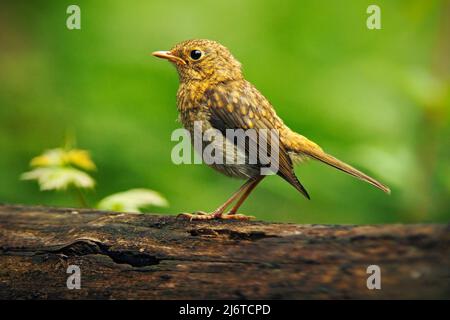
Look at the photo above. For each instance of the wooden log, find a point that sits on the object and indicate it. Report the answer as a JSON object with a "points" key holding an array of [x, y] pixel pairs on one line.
{"points": [[130, 256]]}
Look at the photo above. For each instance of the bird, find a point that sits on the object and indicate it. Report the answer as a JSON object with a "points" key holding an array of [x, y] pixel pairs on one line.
{"points": [[213, 90]]}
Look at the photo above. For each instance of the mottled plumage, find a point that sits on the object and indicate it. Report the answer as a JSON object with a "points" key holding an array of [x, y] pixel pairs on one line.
{"points": [[214, 91]]}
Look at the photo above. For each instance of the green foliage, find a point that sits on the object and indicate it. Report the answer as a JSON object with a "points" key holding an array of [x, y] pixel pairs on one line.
{"points": [[132, 200], [57, 178], [55, 169], [61, 157]]}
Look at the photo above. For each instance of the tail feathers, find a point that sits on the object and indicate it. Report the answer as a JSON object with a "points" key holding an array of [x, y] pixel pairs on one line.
{"points": [[300, 145], [338, 164]]}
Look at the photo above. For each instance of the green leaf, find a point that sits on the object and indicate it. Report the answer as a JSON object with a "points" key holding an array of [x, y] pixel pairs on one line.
{"points": [[60, 157], [57, 178], [132, 200], [80, 158], [53, 157]]}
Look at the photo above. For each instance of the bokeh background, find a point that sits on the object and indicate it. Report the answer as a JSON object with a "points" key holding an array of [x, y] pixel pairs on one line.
{"points": [[378, 99]]}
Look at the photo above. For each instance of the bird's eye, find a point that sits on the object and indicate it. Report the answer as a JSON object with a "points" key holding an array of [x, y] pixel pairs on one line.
{"points": [[196, 54]]}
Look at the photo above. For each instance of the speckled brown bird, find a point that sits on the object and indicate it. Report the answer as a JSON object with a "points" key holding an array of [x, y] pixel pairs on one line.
{"points": [[213, 90]]}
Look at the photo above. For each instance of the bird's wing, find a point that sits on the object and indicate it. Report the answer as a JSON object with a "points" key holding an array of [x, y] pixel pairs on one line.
{"points": [[239, 105]]}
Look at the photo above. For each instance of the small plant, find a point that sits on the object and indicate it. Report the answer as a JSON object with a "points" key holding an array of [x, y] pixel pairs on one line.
{"points": [[132, 200], [68, 169], [62, 169]]}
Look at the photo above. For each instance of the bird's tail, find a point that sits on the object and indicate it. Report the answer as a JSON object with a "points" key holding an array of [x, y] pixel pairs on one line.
{"points": [[303, 146]]}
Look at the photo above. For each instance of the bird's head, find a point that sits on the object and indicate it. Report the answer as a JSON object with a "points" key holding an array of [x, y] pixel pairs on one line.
{"points": [[202, 60]]}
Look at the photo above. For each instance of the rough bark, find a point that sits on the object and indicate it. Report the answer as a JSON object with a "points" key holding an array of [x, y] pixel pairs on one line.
{"points": [[129, 256]]}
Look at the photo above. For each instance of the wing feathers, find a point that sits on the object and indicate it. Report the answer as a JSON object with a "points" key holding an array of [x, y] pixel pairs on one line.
{"points": [[243, 107]]}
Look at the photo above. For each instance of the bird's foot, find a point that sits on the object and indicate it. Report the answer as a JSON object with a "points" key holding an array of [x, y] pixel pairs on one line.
{"points": [[201, 215]]}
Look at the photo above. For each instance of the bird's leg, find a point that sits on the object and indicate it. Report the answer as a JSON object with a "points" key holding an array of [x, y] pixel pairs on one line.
{"points": [[219, 212], [232, 213]]}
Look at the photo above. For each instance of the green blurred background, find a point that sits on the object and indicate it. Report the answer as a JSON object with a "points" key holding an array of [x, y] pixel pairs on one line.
{"points": [[378, 99]]}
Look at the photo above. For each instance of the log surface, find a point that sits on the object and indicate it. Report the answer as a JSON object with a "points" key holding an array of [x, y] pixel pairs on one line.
{"points": [[129, 256]]}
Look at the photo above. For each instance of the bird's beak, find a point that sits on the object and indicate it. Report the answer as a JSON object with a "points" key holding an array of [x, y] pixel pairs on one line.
{"points": [[169, 56]]}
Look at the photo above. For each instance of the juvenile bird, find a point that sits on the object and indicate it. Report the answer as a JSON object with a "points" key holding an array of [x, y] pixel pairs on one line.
{"points": [[214, 91]]}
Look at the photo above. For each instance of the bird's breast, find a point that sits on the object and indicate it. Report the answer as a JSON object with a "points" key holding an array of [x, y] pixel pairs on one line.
{"points": [[190, 94]]}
